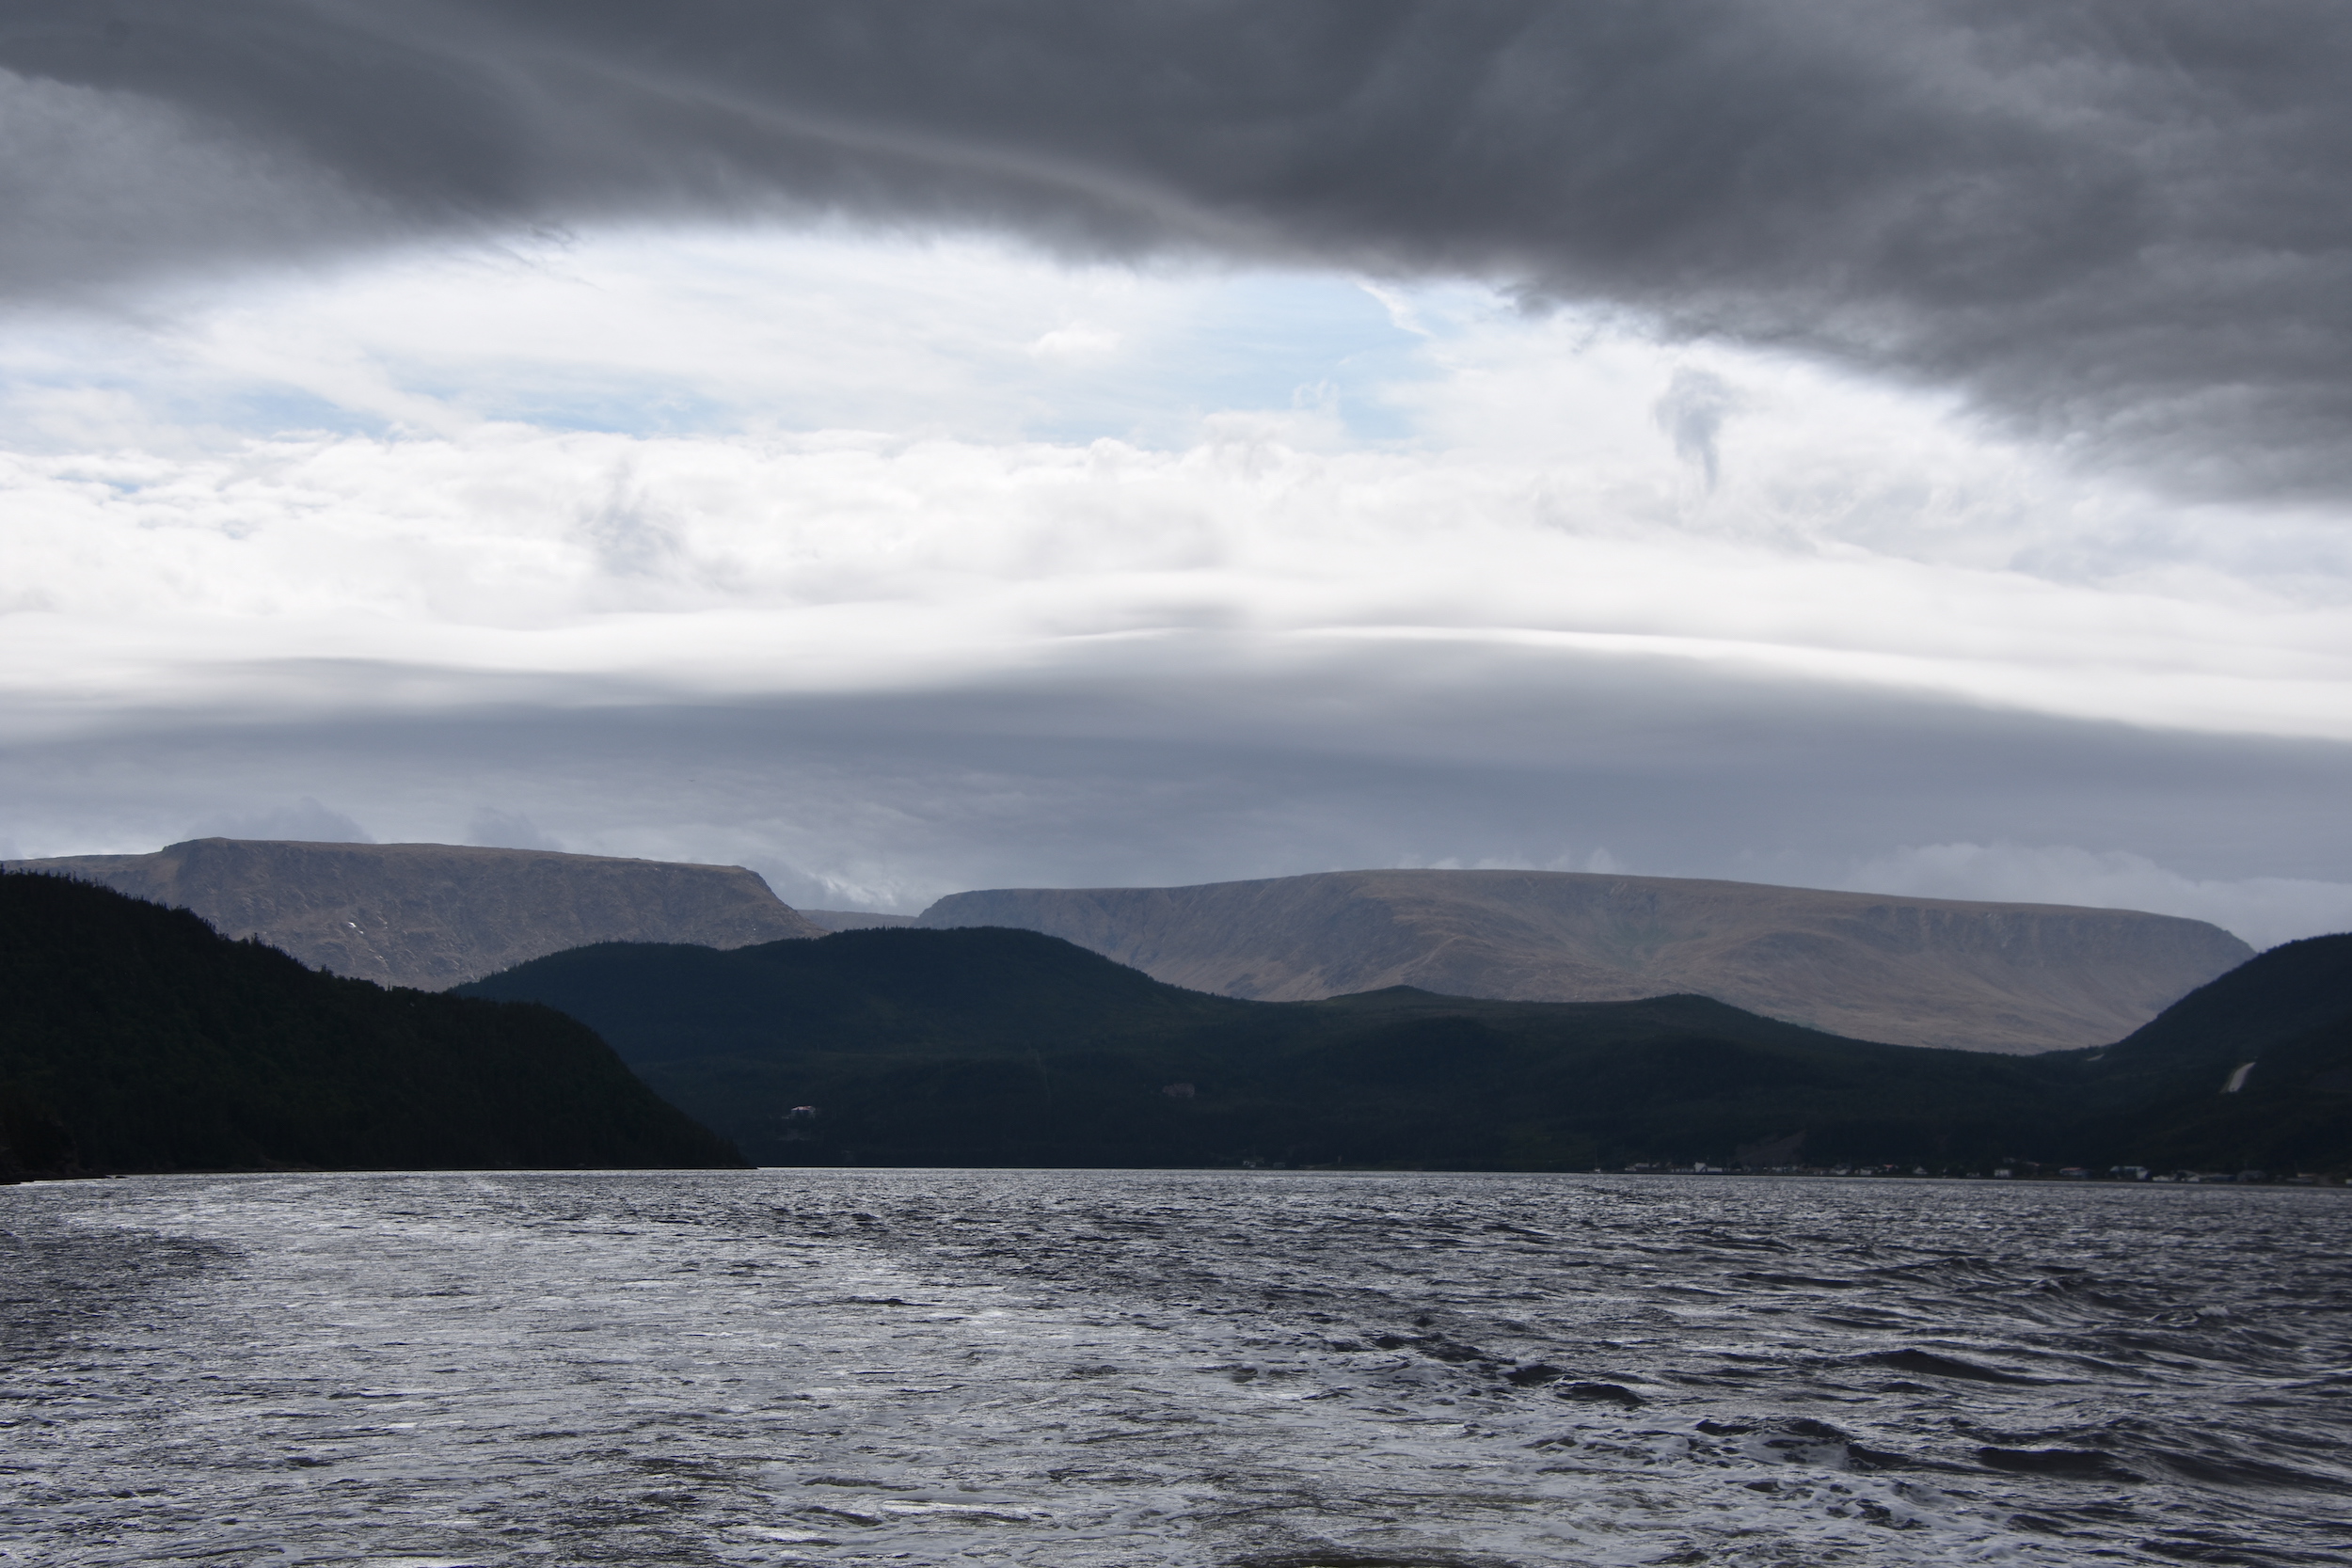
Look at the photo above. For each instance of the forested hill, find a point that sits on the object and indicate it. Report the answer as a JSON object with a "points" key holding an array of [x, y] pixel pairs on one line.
{"points": [[135, 1039], [2254, 1068], [991, 1047], [864, 993]]}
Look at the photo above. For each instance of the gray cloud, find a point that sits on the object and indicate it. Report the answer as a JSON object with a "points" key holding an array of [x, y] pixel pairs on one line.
{"points": [[506, 830], [305, 820], [2125, 223], [1100, 777], [1691, 412]]}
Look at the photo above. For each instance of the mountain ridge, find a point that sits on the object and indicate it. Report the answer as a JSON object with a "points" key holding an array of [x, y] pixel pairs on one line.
{"points": [[436, 915], [1949, 973], [997, 1046], [136, 1038], [2254, 1067]]}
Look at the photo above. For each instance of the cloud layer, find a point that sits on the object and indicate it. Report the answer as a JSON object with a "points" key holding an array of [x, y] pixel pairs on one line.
{"points": [[1557, 482], [839, 560], [911, 447], [1112, 774], [2121, 225]]}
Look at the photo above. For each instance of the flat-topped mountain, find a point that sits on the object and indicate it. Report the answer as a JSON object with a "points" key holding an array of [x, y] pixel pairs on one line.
{"points": [[1979, 976], [436, 915]]}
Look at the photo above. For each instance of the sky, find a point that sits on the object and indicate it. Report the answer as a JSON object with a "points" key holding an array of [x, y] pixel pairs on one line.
{"points": [[906, 448]]}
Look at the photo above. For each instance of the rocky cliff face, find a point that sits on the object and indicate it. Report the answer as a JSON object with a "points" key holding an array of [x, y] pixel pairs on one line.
{"points": [[2013, 977], [436, 915]]}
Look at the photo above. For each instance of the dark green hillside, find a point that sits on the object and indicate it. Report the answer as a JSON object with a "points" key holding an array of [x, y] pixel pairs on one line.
{"points": [[2288, 1012], [135, 1039], [877, 989], [987, 1046], [2274, 997]]}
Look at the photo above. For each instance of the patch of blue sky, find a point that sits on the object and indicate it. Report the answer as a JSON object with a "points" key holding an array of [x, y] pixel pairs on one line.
{"points": [[111, 411], [1250, 343], [1145, 362], [270, 409], [619, 399], [715, 334]]}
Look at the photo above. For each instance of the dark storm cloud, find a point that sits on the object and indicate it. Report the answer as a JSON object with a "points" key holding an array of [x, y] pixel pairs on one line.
{"points": [[2125, 223]]}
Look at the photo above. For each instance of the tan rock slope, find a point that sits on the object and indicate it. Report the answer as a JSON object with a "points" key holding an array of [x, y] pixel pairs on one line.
{"points": [[436, 915], [2013, 977]]}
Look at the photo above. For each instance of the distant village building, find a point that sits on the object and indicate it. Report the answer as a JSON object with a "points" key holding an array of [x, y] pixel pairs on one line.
{"points": [[800, 1113]]}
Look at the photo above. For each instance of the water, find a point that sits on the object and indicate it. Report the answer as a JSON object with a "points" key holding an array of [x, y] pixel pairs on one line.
{"points": [[1278, 1369]]}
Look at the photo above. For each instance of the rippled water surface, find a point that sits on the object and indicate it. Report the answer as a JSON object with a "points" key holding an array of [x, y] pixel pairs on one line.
{"points": [[1071, 1369]]}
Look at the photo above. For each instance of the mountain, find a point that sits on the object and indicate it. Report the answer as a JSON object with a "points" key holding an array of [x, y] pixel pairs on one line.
{"points": [[993, 1047], [860, 993], [990, 1046], [2007, 978], [2252, 1072], [432, 916], [134, 1037]]}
